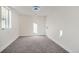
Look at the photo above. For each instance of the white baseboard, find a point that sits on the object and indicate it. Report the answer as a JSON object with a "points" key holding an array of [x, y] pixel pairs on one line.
{"points": [[8, 43], [59, 44]]}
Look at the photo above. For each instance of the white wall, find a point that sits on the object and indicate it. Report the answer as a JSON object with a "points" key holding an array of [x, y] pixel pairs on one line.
{"points": [[26, 25], [8, 36], [67, 20]]}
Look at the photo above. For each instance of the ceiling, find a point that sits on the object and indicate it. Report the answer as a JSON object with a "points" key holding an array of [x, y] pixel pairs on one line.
{"points": [[46, 10], [27, 10]]}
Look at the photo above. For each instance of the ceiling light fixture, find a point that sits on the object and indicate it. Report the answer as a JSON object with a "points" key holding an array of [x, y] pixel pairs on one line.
{"points": [[36, 8]]}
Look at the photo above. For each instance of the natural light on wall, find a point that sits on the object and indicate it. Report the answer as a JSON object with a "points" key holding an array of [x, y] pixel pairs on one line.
{"points": [[61, 33], [35, 28]]}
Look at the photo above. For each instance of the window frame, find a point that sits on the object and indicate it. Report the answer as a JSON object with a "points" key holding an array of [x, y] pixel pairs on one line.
{"points": [[6, 17]]}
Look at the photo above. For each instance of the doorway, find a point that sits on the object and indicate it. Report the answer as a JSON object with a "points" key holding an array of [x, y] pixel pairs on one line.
{"points": [[39, 27]]}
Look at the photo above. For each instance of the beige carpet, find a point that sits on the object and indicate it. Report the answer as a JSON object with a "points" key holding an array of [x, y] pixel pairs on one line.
{"points": [[34, 44]]}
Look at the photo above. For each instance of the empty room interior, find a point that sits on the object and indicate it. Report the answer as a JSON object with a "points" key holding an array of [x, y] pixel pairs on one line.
{"points": [[39, 29]]}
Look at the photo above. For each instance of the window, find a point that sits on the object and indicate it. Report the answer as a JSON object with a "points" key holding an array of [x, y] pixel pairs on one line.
{"points": [[35, 28], [5, 18]]}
